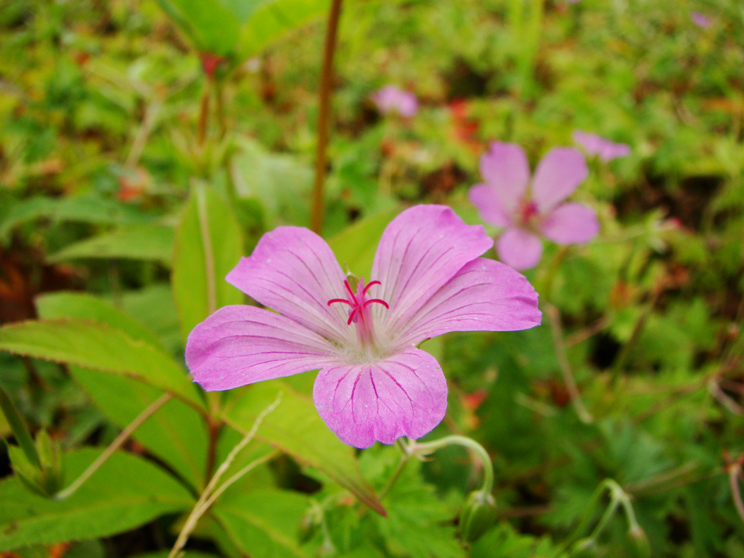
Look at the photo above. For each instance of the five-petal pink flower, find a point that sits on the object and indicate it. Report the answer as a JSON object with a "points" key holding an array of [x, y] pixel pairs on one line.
{"points": [[528, 211], [392, 98], [605, 149], [374, 383]]}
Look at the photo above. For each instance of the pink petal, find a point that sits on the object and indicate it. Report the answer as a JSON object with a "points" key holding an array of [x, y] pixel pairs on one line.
{"points": [[239, 345], [505, 167], [557, 176], [486, 199], [485, 295], [571, 223], [402, 395], [519, 249], [293, 271], [420, 250]]}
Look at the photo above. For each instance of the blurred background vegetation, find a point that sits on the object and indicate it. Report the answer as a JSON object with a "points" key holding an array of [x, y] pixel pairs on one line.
{"points": [[105, 138]]}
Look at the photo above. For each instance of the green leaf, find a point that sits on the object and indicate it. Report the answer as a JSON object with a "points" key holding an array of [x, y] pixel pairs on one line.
{"points": [[57, 305], [81, 209], [154, 307], [97, 346], [125, 492], [209, 24], [273, 18], [176, 433], [355, 247], [143, 242], [264, 523], [296, 428], [208, 246]]}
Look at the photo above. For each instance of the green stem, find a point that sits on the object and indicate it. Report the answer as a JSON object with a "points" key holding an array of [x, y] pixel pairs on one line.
{"points": [[18, 426], [326, 82], [115, 445], [568, 377], [422, 449], [212, 492]]}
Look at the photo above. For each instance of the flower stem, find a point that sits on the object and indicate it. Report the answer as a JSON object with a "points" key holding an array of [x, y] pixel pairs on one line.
{"points": [[326, 82], [212, 492], [115, 445], [568, 378], [426, 448], [734, 472]]}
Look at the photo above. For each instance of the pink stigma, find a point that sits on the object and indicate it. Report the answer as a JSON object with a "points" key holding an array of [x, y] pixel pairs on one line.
{"points": [[358, 302]]}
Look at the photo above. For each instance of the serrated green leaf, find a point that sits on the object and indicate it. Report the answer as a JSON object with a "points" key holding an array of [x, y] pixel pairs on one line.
{"points": [[57, 305], [208, 246], [125, 492], [143, 242], [296, 428], [97, 346], [264, 523]]}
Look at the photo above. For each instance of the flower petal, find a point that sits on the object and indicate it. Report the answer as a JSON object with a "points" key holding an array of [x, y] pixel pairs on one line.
{"points": [[519, 249], [505, 167], [571, 223], [486, 199], [293, 271], [420, 250], [485, 295], [403, 395], [557, 176], [239, 345]]}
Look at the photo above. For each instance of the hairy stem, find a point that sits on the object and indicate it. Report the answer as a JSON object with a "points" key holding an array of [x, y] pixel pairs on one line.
{"points": [[326, 82]]}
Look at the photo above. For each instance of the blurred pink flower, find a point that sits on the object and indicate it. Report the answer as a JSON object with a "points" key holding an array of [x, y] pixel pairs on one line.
{"points": [[374, 383], [507, 199], [596, 145], [392, 98], [701, 20]]}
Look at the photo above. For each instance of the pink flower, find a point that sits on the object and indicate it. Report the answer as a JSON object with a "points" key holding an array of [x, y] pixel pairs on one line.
{"points": [[374, 383], [392, 98], [505, 200], [597, 145], [701, 20]]}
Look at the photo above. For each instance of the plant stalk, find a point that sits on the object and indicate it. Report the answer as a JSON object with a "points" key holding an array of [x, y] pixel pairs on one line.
{"points": [[326, 83]]}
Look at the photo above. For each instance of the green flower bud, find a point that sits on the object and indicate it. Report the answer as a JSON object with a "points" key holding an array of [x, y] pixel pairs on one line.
{"points": [[47, 480], [640, 542], [478, 514], [308, 528], [584, 548]]}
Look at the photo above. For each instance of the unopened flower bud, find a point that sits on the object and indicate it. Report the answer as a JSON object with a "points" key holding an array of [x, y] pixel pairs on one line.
{"points": [[47, 480], [478, 514], [308, 528], [584, 548], [640, 542]]}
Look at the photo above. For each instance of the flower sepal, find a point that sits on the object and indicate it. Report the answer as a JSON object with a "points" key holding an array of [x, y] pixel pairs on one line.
{"points": [[478, 515]]}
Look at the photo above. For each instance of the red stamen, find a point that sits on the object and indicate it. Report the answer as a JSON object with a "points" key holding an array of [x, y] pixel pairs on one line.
{"points": [[339, 300], [371, 300], [370, 284]]}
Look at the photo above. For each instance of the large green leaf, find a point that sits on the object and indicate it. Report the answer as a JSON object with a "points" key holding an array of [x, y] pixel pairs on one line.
{"points": [[97, 346], [355, 246], [296, 428], [88, 307], [263, 523], [208, 245], [125, 492], [143, 242]]}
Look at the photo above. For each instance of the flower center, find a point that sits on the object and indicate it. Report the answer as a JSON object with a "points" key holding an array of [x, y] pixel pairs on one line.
{"points": [[527, 212], [359, 311]]}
